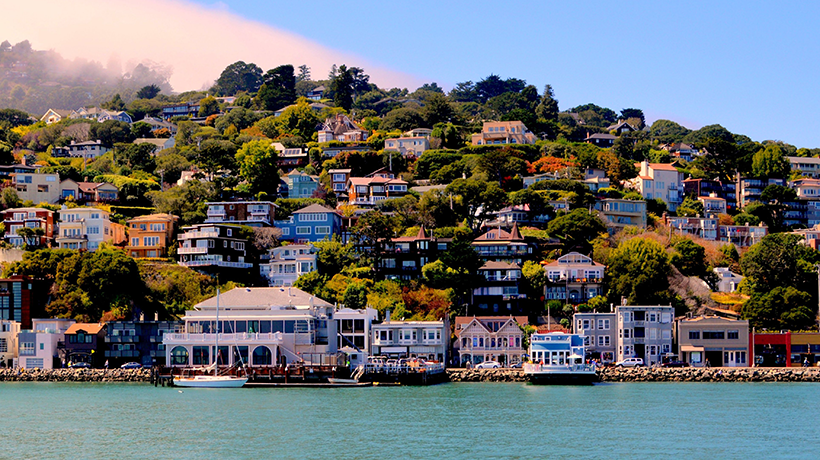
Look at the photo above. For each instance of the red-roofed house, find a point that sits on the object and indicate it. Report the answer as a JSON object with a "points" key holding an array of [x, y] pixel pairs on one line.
{"points": [[377, 186], [500, 245], [659, 180]]}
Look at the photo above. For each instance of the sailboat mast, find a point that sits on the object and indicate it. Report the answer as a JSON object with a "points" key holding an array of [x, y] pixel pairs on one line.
{"points": [[216, 352]]}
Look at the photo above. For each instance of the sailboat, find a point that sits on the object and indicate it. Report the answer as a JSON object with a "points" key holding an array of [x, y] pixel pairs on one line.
{"points": [[216, 380]]}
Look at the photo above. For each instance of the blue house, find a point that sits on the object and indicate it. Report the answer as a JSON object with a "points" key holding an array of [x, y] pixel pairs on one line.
{"points": [[301, 185], [309, 224]]}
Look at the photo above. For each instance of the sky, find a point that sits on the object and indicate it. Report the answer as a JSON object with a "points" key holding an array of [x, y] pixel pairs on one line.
{"points": [[750, 66]]}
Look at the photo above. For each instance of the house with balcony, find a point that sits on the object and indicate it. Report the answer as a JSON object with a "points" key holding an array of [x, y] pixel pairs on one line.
{"points": [[499, 292], [310, 224], [9, 331], [722, 342], [214, 246], [375, 187], [645, 332], [262, 327], [184, 109], [88, 192], [574, 278], [341, 128], [87, 228], [301, 185], [750, 189], [17, 218], [713, 205], [618, 213], [419, 132], [402, 258], [602, 140], [682, 150], [7, 172], [149, 236], [712, 188], [87, 149], [137, 341], [36, 187], [288, 159], [701, 227], [338, 181], [500, 245], [807, 166], [412, 339], [742, 235], [85, 343], [43, 345], [489, 338], [503, 132], [408, 146], [600, 334], [284, 264], [809, 236], [250, 213], [159, 123], [316, 93], [55, 115], [659, 180]]}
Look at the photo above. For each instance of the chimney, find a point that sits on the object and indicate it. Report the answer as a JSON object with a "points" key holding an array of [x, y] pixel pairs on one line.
{"points": [[387, 316]]}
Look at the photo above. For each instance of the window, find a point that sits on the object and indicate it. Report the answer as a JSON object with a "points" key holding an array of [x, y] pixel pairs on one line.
{"points": [[229, 231], [338, 178], [732, 335], [4, 346], [714, 335], [42, 188], [603, 340], [239, 246], [312, 217], [666, 335], [150, 241], [27, 349], [135, 241], [303, 230], [694, 335], [322, 230], [179, 356], [603, 324]]}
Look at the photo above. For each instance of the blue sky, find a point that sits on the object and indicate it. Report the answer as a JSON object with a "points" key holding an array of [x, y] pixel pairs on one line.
{"points": [[750, 66]]}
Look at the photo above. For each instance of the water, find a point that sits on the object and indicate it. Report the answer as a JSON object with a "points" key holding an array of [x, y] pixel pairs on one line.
{"points": [[465, 420]]}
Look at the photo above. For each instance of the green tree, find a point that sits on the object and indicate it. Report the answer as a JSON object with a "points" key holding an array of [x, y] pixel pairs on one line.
{"points": [[135, 156], [402, 119], [690, 208], [475, 200], [784, 307], [780, 260], [576, 229], [372, 230], [257, 162], [237, 77], [437, 109], [215, 155], [771, 162], [148, 92], [548, 106], [638, 269], [300, 120], [116, 103], [342, 88], [208, 106], [355, 296], [667, 131], [278, 89], [689, 258], [9, 198], [141, 130], [111, 132]]}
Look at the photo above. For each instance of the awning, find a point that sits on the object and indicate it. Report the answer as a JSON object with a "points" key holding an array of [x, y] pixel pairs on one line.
{"points": [[690, 348], [393, 350]]}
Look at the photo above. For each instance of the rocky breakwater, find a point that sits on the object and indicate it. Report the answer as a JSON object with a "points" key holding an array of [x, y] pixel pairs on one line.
{"points": [[724, 374], [486, 375], [75, 375]]}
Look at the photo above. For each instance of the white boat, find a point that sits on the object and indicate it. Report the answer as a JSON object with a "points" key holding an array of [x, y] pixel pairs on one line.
{"points": [[558, 358], [216, 380]]}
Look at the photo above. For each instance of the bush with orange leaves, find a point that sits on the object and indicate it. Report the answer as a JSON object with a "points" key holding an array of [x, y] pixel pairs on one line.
{"points": [[552, 164]]}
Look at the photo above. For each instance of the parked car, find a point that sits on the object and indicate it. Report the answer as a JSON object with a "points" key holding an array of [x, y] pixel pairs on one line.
{"points": [[675, 364], [516, 365], [488, 365], [131, 365], [630, 362], [79, 366]]}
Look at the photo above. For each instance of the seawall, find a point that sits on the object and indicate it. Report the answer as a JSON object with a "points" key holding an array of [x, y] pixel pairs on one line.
{"points": [[75, 375], [611, 374]]}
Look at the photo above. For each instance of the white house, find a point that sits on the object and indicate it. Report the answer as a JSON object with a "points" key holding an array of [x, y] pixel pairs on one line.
{"points": [[659, 180], [84, 228], [8, 341], [727, 280], [39, 346], [287, 263], [412, 339]]}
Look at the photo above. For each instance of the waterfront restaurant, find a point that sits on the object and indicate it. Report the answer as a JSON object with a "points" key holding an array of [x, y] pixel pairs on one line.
{"points": [[258, 327], [723, 342], [412, 339]]}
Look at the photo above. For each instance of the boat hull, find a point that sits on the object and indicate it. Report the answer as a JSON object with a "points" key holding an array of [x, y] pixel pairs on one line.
{"points": [[204, 381]]}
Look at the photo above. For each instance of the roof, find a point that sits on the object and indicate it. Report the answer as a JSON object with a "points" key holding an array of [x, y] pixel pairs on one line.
{"points": [[497, 234], [89, 328], [331, 171], [262, 297], [149, 140], [603, 136], [466, 320], [90, 187], [804, 160], [494, 265], [662, 166], [157, 216], [314, 208]]}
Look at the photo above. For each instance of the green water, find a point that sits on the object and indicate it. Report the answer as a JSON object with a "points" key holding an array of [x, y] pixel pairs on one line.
{"points": [[466, 420]]}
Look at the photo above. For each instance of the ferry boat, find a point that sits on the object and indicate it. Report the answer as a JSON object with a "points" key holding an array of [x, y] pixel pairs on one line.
{"points": [[558, 358]]}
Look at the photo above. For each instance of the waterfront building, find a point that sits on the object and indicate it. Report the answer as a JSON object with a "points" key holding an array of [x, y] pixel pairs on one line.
{"points": [[489, 338], [9, 331], [310, 224], [250, 213], [87, 228], [137, 341], [502, 246], [85, 343], [600, 334], [214, 246], [412, 339], [42, 346], [259, 326], [355, 332], [722, 342], [574, 278], [284, 264], [17, 218], [20, 296], [37, 187], [149, 236], [644, 332], [503, 132], [499, 292]]}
